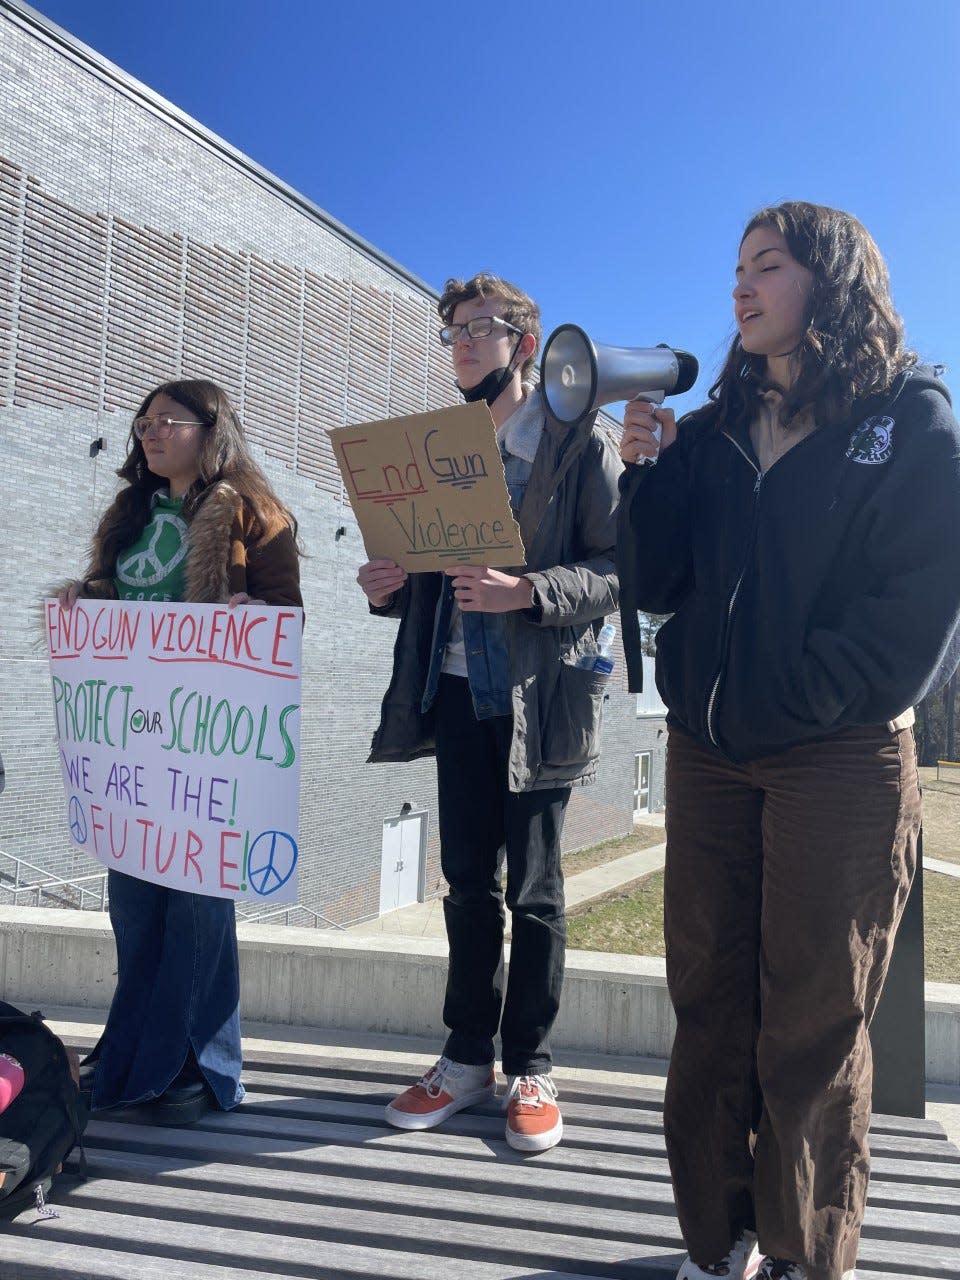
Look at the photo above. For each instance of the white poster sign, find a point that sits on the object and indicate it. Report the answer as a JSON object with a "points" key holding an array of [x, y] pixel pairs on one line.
{"points": [[179, 738]]}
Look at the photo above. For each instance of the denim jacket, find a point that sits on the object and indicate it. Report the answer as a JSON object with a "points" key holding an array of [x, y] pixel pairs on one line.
{"points": [[484, 638]]}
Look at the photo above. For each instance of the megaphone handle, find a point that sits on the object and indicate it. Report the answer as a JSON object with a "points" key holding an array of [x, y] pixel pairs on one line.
{"points": [[657, 398]]}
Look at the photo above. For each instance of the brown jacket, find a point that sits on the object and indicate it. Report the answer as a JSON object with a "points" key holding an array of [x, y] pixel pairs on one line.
{"points": [[227, 554]]}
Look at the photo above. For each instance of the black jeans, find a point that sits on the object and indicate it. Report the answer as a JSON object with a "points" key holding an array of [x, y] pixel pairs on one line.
{"points": [[479, 815]]}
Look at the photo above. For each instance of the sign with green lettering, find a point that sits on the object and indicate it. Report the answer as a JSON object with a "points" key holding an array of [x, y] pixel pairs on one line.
{"points": [[428, 490], [179, 739]]}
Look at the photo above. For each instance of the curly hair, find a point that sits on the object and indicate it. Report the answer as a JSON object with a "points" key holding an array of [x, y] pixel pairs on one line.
{"points": [[853, 346], [223, 455], [517, 308]]}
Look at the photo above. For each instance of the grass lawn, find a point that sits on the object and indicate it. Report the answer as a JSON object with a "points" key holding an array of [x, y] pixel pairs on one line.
{"points": [[941, 817], [630, 920]]}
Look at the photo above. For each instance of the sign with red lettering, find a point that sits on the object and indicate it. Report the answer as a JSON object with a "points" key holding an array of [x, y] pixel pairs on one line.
{"points": [[428, 490], [179, 735]]}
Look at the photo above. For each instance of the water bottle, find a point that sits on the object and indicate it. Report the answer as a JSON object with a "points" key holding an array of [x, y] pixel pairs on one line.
{"points": [[601, 662]]}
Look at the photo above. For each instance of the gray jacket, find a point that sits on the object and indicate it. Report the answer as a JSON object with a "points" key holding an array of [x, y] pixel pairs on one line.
{"points": [[568, 524]]}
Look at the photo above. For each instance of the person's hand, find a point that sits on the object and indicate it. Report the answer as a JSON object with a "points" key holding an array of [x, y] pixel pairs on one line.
{"points": [[478, 589], [640, 420], [241, 597], [68, 596], [379, 580]]}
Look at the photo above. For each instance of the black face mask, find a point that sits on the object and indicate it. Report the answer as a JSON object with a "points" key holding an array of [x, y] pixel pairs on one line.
{"points": [[490, 387]]}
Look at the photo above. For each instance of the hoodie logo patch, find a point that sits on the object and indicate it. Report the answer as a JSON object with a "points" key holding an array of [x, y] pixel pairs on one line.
{"points": [[872, 442]]}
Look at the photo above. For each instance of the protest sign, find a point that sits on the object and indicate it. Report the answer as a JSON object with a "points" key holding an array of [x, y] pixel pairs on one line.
{"points": [[179, 730], [428, 490]]}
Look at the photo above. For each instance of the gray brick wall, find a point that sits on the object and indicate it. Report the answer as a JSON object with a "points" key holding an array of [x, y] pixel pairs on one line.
{"points": [[134, 247]]}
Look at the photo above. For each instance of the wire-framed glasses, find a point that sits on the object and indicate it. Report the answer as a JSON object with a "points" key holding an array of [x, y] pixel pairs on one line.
{"points": [[162, 428]]}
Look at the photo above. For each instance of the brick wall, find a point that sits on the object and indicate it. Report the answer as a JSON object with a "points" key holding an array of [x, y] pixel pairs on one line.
{"points": [[135, 247]]}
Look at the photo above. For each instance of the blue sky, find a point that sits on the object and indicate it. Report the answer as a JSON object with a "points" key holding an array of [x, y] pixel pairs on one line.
{"points": [[604, 156]]}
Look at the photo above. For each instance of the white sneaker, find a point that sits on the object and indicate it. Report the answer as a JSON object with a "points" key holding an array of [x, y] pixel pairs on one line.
{"points": [[741, 1263], [446, 1088]]}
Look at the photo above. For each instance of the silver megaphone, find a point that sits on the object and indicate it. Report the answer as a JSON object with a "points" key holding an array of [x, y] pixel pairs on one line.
{"points": [[579, 375]]}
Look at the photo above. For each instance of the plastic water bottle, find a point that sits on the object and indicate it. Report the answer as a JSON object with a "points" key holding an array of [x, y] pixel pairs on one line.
{"points": [[601, 662]]}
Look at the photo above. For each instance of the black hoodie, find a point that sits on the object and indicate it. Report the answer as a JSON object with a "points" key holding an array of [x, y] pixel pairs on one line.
{"points": [[820, 594]]}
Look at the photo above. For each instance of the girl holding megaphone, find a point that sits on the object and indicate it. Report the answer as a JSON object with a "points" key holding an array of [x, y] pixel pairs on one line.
{"points": [[800, 528]]}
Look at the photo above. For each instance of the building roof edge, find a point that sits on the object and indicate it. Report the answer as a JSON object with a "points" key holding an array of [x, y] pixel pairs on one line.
{"points": [[31, 19]]}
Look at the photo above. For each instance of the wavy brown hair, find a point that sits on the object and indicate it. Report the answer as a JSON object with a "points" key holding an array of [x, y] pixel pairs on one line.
{"points": [[223, 456], [517, 307], [853, 347]]}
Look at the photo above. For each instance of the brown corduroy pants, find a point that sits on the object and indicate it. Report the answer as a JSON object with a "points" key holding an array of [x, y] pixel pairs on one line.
{"points": [[785, 881]]}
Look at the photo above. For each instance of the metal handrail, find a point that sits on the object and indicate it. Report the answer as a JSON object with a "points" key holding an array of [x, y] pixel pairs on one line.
{"points": [[55, 891], [266, 914], [51, 883]]}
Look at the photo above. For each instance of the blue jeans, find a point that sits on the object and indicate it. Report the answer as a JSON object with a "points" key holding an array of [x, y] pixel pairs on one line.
{"points": [[177, 1001], [479, 814]]}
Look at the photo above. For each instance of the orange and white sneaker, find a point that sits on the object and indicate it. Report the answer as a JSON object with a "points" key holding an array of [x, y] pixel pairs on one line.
{"points": [[534, 1122], [446, 1088]]}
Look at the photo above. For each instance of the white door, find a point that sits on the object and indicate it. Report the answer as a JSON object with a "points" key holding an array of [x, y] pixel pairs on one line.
{"points": [[641, 782], [403, 841]]}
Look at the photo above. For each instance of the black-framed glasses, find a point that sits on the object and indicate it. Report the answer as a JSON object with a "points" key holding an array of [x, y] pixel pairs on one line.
{"points": [[478, 327], [162, 428]]}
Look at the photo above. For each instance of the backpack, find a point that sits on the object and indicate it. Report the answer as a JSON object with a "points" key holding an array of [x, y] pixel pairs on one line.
{"points": [[44, 1121]]}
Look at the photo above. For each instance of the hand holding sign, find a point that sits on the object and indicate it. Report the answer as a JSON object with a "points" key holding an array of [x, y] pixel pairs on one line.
{"points": [[478, 589], [428, 490], [380, 579]]}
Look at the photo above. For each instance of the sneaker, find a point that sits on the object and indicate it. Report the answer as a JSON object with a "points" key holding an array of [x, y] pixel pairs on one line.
{"points": [[780, 1269], [741, 1262], [534, 1122], [446, 1088]]}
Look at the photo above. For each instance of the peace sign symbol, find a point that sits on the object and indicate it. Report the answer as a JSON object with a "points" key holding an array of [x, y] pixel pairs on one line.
{"points": [[148, 567], [272, 866], [78, 821]]}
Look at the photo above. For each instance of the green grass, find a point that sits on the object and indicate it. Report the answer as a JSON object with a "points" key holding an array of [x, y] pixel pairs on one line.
{"points": [[941, 936], [941, 817], [630, 922]]}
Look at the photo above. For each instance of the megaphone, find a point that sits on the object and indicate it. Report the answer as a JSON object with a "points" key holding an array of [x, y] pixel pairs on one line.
{"points": [[579, 375]]}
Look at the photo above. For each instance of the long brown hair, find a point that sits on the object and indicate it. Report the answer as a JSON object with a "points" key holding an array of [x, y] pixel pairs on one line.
{"points": [[853, 346], [223, 456]]}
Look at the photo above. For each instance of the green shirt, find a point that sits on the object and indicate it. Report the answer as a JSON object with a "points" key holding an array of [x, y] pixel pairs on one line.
{"points": [[153, 568]]}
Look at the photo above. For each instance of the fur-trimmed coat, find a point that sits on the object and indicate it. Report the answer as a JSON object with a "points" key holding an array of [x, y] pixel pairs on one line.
{"points": [[227, 553]]}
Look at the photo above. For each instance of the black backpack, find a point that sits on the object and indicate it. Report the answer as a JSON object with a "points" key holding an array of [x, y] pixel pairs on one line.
{"points": [[46, 1119]]}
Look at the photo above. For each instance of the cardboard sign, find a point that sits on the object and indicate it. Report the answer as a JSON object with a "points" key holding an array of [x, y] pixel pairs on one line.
{"points": [[179, 735], [428, 490]]}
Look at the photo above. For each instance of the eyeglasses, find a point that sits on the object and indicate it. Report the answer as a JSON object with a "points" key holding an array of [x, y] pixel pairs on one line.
{"points": [[162, 428], [478, 327]]}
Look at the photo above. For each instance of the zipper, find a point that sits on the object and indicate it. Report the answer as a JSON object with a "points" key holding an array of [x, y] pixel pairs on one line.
{"points": [[715, 687]]}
